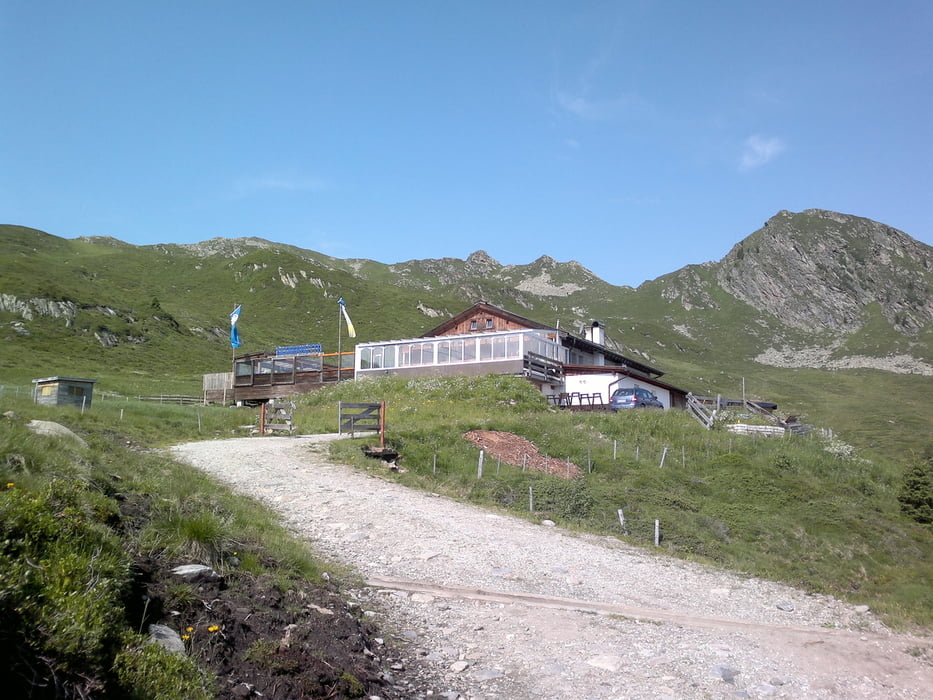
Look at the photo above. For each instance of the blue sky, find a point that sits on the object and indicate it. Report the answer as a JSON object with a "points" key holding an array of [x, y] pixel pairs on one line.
{"points": [[633, 137]]}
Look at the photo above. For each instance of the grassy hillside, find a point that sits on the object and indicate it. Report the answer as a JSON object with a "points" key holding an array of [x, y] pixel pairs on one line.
{"points": [[153, 319], [92, 533]]}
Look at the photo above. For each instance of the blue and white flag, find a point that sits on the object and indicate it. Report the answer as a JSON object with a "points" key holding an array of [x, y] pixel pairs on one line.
{"points": [[234, 333], [351, 331]]}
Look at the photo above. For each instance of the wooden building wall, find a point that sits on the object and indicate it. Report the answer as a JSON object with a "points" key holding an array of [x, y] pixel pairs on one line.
{"points": [[484, 322], [64, 392]]}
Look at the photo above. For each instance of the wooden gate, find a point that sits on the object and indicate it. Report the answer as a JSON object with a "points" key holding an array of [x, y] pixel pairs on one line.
{"points": [[276, 415], [362, 416]]}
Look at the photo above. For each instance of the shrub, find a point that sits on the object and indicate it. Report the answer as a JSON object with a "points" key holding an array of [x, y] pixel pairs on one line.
{"points": [[571, 500], [916, 494]]}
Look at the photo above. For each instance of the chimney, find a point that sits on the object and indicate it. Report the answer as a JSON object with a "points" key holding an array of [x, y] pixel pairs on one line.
{"points": [[596, 333]]}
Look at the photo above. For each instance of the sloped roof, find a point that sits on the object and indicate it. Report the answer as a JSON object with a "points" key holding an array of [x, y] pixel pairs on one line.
{"points": [[484, 307]]}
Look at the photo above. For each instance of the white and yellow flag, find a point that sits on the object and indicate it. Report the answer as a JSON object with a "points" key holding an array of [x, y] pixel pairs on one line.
{"points": [[351, 331]]}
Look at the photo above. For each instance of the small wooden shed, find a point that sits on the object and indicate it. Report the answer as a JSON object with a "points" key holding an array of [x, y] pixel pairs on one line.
{"points": [[64, 391]]}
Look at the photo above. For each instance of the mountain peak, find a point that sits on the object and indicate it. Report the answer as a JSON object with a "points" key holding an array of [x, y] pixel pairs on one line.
{"points": [[818, 270], [481, 257]]}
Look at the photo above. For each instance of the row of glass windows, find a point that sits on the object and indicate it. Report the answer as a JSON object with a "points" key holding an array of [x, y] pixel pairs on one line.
{"points": [[278, 365], [488, 348]]}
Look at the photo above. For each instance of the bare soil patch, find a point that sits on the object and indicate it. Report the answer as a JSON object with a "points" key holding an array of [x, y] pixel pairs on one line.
{"points": [[519, 452]]}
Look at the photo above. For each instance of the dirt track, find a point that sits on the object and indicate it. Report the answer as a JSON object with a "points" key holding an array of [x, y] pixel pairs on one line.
{"points": [[504, 608]]}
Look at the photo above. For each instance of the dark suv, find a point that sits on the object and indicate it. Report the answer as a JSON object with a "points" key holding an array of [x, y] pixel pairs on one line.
{"points": [[633, 397]]}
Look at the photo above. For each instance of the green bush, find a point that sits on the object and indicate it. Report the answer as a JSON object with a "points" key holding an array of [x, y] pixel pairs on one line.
{"points": [[916, 494], [568, 499]]}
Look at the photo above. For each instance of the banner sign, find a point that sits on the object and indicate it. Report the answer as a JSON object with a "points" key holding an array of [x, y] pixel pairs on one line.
{"points": [[289, 350]]}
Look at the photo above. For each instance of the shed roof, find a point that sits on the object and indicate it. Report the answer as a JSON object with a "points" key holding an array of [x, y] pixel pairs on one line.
{"points": [[49, 380]]}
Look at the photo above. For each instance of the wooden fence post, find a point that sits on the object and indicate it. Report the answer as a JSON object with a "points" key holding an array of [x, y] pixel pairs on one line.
{"points": [[479, 465], [657, 533]]}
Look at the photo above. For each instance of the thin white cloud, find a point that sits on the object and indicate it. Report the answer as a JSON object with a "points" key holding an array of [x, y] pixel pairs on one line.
{"points": [[599, 110], [759, 150], [272, 183]]}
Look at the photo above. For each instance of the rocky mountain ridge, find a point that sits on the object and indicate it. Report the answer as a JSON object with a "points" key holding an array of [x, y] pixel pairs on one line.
{"points": [[815, 288], [818, 270]]}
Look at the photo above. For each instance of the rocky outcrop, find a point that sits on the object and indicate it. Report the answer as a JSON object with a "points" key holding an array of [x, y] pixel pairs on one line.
{"points": [[31, 308], [818, 270]]}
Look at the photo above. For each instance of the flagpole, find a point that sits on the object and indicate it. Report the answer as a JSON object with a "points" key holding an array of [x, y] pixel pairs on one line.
{"points": [[339, 334], [233, 351]]}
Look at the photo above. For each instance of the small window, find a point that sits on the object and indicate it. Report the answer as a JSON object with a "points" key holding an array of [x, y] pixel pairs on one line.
{"points": [[488, 323], [473, 325]]}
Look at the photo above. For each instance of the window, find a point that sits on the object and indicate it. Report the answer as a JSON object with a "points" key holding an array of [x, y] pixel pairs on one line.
{"points": [[473, 325], [427, 354], [456, 351], [488, 323], [514, 346], [443, 352], [283, 365], [388, 357]]}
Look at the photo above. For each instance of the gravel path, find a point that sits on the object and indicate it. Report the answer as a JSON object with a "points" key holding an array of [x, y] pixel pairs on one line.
{"points": [[499, 607]]}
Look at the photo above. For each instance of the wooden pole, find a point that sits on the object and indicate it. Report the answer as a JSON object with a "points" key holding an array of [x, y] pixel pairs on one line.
{"points": [[262, 418], [382, 422]]}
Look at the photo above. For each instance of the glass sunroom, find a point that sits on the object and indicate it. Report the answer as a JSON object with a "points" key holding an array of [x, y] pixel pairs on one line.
{"points": [[503, 352]]}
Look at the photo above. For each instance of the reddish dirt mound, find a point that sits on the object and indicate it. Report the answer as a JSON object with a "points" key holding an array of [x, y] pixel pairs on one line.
{"points": [[519, 452]]}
